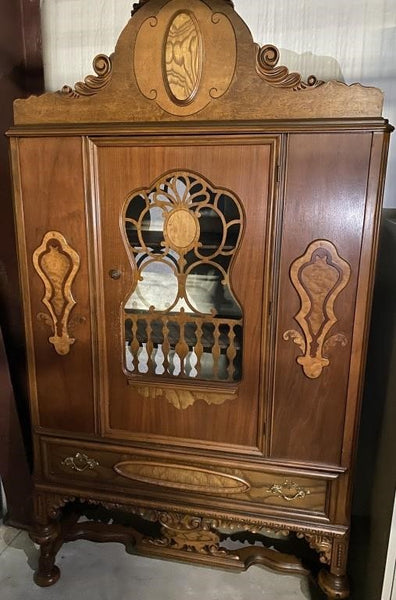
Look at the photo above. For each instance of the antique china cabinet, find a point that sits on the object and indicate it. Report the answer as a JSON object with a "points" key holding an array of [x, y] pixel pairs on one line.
{"points": [[197, 235]]}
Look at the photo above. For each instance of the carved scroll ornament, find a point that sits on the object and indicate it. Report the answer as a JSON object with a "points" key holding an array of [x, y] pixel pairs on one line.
{"points": [[319, 276], [277, 76], [57, 264], [92, 84]]}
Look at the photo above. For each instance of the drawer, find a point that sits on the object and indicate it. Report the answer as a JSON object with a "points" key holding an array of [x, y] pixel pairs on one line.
{"points": [[125, 469]]}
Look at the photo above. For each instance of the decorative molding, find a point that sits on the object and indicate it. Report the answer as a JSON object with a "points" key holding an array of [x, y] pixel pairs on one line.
{"points": [[192, 479], [57, 264], [80, 462], [288, 491], [222, 522], [322, 544], [92, 84], [319, 276], [266, 63], [182, 398]]}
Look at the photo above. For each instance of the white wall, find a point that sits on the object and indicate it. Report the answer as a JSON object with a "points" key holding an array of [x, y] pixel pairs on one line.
{"points": [[351, 40]]}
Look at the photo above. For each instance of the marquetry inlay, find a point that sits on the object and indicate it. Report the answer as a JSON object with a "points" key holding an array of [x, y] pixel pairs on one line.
{"points": [[182, 477], [181, 398], [57, 264], [183, 58], [188, 69], [319, 276], [181, 229]]}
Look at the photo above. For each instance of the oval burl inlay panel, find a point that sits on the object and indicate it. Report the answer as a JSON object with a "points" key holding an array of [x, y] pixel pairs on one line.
{"points": [[183, 58], [182, 228], [181, 477]]}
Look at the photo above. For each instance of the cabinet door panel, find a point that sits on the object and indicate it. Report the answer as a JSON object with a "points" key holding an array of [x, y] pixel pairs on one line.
{"points": [[218, 404], [320, 259], [56, 279]]}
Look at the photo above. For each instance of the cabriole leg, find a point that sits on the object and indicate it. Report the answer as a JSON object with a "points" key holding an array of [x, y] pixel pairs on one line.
{"points": [[334, 582], [46, 533]]}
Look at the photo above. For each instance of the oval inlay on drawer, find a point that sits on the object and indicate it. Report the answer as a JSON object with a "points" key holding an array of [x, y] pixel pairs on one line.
{"points": [[192, 479]]}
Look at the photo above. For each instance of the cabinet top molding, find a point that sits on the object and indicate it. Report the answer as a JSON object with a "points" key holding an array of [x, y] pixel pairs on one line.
{"points": [[194, 61]]}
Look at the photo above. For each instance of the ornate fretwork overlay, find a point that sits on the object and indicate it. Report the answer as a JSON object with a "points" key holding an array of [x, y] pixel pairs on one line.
{"points": [[267, 61], [57, 265], [319, 276], [92, 84], [182, 319]]}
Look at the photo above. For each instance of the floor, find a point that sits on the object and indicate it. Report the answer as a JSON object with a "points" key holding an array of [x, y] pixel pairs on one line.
{"points": [[107, 572]]}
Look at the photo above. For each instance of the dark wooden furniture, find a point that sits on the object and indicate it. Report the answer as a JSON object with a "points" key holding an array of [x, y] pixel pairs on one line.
{"points": [[197, 233]]}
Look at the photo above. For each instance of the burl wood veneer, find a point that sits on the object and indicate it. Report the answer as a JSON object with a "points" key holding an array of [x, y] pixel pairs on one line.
{"points": [[197, 235]]}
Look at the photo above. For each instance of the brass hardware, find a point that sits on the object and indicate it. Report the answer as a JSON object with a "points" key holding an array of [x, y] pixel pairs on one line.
{"points": [[288, 491], [80, 462], [115, 274]]}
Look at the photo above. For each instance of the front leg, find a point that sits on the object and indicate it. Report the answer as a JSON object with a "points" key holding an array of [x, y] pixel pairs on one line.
{"points": [[334, 582], [46, 533]]}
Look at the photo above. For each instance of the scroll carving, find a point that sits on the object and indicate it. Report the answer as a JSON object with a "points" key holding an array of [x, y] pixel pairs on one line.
{"points": [[277, 76], [322, 544], [182, 398], [319, 276], [181, 477], [92, 84], [57, 264], [189, 533], [289, 491]]}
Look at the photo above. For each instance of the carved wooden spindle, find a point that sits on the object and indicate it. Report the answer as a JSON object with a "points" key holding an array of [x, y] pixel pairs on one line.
{"points": [[150, 345], [135, 344], [165, 344], [231, 352], [182, 348], [216, 350], [198, 346]]}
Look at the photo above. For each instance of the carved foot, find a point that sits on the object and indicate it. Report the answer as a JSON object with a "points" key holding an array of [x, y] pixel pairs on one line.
{"points": [[45, 579], [334, 586], [48, 538]]}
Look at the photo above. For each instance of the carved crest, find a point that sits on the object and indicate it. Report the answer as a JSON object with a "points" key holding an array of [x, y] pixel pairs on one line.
{"points": [[319, 276], [194, 60], [57, 264]]}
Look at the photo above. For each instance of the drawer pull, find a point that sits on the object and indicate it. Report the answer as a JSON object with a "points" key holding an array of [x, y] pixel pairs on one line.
{"points": [[288, 491], [80, 462]]}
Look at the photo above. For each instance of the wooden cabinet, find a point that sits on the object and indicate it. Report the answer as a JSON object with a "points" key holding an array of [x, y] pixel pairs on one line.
{"points": [[197, 244]]}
